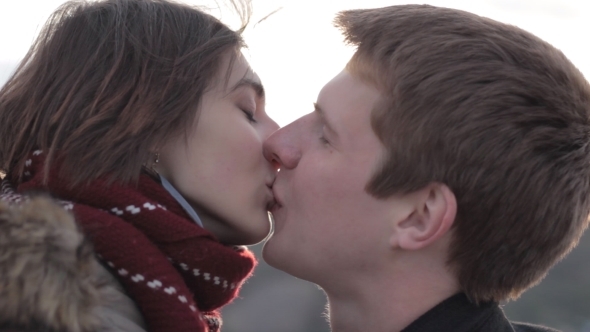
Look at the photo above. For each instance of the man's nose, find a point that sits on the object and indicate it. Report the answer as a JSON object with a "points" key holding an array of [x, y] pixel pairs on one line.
{"points": [[281, 148]]}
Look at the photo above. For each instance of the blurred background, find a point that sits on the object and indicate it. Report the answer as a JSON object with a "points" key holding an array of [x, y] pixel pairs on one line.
{"points": [[296, 51]]}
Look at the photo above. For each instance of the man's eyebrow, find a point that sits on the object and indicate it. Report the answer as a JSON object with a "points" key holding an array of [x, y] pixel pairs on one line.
{"points": [[255, 85], [322, 115]]}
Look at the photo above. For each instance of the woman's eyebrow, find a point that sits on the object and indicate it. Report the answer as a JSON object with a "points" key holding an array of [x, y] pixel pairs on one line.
{"points": [[255, 85]]}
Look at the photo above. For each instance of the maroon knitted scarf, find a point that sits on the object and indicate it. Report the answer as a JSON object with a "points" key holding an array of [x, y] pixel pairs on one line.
{"points": [[176, 272]]}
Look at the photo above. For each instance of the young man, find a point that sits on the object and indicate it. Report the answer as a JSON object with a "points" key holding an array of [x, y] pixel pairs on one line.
{"points": [[445, 170]]}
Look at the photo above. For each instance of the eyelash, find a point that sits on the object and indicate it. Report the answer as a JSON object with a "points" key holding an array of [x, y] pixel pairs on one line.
{"points": [[249, 116]]}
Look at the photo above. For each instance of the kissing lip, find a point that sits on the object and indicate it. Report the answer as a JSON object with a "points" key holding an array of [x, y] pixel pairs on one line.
{"points": [[272, 202], [271, 205], [278, 202]]}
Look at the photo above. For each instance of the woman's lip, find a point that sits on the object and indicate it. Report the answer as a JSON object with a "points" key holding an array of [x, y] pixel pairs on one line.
{"points": [[271, 204]]}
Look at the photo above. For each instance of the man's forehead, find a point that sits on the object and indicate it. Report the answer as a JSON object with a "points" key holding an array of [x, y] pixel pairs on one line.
{"points": [[346, 92], [346, 103]]}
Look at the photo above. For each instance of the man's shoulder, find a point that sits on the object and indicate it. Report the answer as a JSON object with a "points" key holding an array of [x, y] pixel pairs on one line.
{"points": [[526, 327]]}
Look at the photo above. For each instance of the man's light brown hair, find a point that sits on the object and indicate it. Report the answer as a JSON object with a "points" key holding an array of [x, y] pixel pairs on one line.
{"points": [[496, 114], [108, 81]]}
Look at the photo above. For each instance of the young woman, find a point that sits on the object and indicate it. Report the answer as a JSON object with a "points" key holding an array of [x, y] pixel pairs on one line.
{"points": [[143, 118]]}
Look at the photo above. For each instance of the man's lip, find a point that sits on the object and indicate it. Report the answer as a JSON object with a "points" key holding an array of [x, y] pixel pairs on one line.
{"points": [[272, 202], [278, 202], [270, 182], [271, 205]]}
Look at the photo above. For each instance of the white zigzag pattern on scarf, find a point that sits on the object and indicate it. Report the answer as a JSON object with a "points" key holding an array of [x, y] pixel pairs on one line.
{"points": [[219, 281]]}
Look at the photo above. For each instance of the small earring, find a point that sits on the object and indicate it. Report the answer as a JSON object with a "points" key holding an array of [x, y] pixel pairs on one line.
{"points": [[155, 162]]}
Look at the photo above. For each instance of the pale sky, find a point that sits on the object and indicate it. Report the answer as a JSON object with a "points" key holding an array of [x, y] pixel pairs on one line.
{"points": [[296, 50]]}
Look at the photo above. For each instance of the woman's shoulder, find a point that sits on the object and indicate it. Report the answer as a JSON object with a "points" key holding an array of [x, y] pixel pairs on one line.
{"points": [[46, 269], [50, 278], [117, 311]]}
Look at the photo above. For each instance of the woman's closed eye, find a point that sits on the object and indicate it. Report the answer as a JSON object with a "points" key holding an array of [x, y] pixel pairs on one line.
{"points": [[249, 115]]}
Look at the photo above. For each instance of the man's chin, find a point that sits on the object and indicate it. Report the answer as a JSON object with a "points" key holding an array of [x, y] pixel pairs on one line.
{"points": [[271, 253], [283, 256]]}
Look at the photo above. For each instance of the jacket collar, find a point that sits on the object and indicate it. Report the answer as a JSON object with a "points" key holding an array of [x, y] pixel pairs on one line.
{"points": [[458, 314]]}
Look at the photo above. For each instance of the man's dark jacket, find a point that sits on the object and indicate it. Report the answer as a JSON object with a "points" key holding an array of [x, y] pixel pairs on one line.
{"points": [[458, 314]]}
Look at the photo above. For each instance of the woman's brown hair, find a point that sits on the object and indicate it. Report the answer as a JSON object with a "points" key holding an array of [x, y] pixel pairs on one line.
{"points": [[106, 82]]}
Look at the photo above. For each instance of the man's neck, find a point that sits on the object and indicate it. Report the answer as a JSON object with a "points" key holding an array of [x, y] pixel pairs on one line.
{"points": [[387, 302]]}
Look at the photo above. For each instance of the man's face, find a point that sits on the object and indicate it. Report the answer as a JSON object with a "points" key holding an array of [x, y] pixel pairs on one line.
{"points": [[324, 218]]}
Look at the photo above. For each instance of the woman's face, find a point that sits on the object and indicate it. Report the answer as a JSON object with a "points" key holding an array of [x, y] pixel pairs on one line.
{"points": [[219, 167]]}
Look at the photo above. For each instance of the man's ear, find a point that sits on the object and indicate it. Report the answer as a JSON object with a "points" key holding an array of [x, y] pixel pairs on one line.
{"points": [[433, 214]]}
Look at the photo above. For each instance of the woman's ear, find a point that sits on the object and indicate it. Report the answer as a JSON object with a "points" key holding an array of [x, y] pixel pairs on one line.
{"points": [[433, 214]]}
